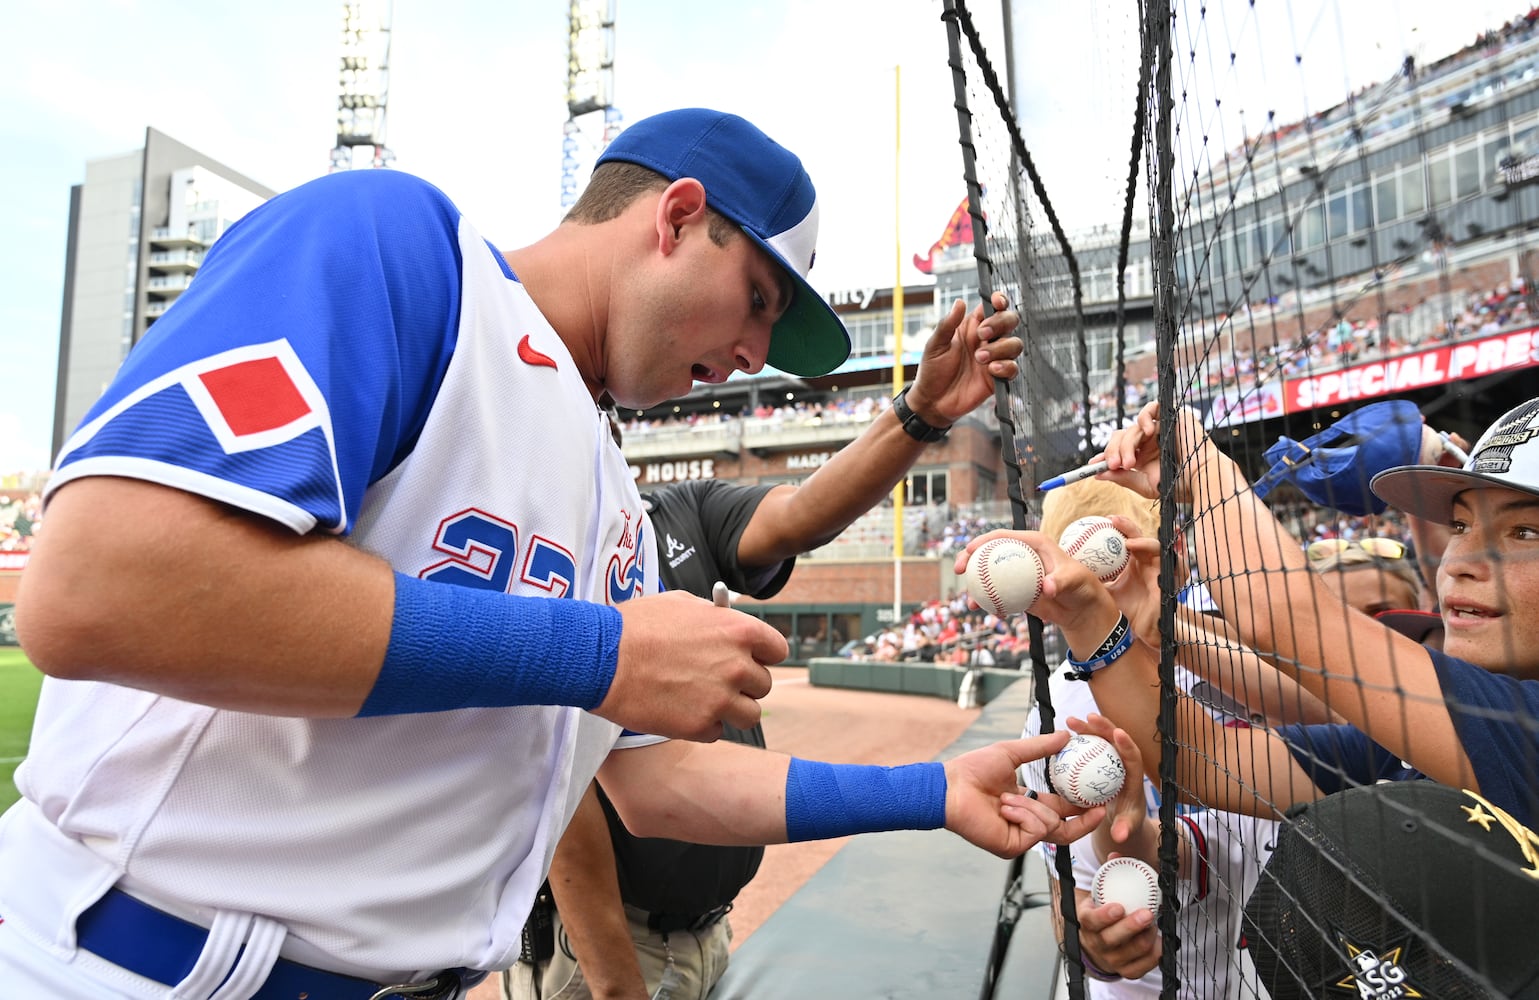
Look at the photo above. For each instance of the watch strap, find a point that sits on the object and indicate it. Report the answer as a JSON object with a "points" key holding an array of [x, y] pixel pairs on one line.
{"points": [[915, 425]]}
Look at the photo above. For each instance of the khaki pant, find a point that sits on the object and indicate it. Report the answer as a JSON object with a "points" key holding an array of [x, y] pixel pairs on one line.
{"points": [[699, 958]]}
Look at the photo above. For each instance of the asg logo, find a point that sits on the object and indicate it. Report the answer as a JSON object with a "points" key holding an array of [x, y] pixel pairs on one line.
{"points": [[1375, 976]]}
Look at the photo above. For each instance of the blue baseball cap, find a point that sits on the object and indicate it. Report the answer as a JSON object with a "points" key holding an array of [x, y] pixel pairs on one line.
{"points": [[760, 185]]}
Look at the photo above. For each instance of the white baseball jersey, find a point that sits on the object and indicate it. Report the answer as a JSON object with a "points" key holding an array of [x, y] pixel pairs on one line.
{"points": [[1229, 851], [353, 358]]}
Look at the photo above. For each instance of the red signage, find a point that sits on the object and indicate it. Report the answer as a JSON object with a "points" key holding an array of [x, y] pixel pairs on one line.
{"points": [[1447, 363], [13, 562]]}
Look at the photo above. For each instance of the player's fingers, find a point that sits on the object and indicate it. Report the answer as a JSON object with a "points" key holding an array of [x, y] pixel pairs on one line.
{"points": [[1034, 747], [765, 644], [999, 324], [756, 681], [744, 712], [1077, 826], [947, 327], [998, 347]]}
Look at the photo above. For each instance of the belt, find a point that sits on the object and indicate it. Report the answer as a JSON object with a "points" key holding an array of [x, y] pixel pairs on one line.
{"points": [[667, 923], [159, 946]]}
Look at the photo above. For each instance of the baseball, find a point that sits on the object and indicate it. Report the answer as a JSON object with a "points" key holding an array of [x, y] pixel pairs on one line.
{"points": [[1096, 545], [1128, 881], [1088, 771], [1005, 576]]}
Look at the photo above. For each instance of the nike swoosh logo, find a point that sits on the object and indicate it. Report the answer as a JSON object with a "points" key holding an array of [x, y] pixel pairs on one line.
{"points": [[529, 356]]}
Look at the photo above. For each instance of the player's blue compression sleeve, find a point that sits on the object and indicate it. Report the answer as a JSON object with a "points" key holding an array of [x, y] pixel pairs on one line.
{"points": [[458, 647], [833, 800]]}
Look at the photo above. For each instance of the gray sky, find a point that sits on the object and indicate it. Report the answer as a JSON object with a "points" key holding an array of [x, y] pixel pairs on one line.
{"points": [[477, 103]]}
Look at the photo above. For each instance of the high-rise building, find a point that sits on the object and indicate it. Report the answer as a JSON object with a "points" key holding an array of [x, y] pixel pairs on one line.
{"points": [[138, 228]]}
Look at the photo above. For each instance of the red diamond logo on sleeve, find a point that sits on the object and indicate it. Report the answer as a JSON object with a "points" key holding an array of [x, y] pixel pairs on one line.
{"points": [[255, 396]]}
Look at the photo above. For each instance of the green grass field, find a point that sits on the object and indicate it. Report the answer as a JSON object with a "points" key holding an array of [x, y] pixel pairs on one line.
{"points": [[19, 683]]}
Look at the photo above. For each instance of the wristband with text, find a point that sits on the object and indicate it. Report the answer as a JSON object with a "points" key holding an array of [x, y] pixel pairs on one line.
{"points": [[1119, 641]]}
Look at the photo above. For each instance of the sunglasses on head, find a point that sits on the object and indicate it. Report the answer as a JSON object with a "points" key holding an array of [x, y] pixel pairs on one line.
{"points": [[1382, 548]]}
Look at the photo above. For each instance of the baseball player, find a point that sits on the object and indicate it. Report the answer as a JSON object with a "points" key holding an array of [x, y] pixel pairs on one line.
{"points": [[672, 928], [314, 722]]}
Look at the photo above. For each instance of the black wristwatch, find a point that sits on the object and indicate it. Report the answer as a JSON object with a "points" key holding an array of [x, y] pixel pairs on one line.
{"points": [[913, 423]]}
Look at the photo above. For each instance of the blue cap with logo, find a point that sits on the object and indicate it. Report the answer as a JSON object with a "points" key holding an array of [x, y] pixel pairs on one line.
{"points": [[760, 185]]}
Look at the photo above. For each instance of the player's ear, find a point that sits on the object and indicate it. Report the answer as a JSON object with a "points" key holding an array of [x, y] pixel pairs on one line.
{"points": [[682, 204]]}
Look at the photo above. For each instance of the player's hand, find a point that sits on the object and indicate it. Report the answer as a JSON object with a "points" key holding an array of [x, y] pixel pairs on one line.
{"points": [[987, 806], [962, 358], [1117, 941], [686, 666]]}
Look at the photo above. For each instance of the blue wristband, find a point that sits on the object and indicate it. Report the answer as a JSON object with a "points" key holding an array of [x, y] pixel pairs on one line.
{"points": [[457, 647], [834, 800], [1118, 642]]}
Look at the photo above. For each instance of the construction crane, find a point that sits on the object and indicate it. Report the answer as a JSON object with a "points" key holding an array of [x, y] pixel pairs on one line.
{"points": [[364, 83], [590, 69]]}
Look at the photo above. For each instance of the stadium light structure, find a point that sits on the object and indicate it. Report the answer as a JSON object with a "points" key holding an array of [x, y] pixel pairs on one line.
{"points": [[590, 67], [364, 83]]}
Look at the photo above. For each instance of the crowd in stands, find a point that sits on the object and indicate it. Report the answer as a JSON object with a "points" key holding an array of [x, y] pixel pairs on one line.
{"points": [[950, 632], [960, 530], [840, 409], [20, 518], [1226, 364]]}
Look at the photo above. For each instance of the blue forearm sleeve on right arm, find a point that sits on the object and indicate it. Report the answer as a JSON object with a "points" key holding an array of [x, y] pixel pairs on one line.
{"points": [[833, 800], [457, 647]]}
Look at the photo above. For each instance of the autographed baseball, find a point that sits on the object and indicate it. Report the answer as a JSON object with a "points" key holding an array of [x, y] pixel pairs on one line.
{"points": [[1005, 576], [1088, 772], [1096, 545], [1128, 881]]}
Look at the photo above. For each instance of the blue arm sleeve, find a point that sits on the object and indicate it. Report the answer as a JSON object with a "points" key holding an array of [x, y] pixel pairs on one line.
{"points": [[457, 647], [833, 800]]}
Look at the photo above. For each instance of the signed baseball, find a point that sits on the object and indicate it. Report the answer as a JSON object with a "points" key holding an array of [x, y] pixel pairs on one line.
{"points": [[1128, 881], [1096, 545], [1005, 576], [1088, 771]]}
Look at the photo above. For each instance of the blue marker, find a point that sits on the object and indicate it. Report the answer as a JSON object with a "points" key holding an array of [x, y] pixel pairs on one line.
{"points": [[1075, 475]]}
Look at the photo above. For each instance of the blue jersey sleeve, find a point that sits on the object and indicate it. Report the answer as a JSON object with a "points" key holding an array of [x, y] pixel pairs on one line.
{"points": [[1497, 719], [1336, 757], [300, 365]]}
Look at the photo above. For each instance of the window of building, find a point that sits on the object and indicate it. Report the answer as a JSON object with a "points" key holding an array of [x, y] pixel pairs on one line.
{"points": [[1310, 230], [1386, 196], [927, 489], [1338, 220], [1413, 191], [1440, 177], [1466, 170], [1360, 202]]}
